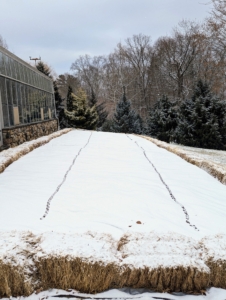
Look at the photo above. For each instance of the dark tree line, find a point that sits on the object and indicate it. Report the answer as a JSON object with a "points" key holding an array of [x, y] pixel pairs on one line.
{"points": [[199, 121]]}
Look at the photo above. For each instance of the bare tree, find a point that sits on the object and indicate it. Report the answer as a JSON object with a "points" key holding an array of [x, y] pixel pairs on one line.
{"points": [[138, 53], [176, 58], [89, 72], [64, 81], [3, 42]]}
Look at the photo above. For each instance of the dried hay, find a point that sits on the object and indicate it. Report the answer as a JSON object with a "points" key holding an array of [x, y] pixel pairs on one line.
{"points": [[123, 241], [89, 276], [65, 273], [210, 167], [13, 282], [7, 157], [218, 273]]}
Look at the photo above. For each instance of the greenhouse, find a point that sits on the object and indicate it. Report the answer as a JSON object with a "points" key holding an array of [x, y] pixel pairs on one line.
{"points": [[26, 101]]}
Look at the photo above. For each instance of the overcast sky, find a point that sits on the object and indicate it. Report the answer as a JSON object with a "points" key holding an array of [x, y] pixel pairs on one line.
{"points": [[61, 30]]}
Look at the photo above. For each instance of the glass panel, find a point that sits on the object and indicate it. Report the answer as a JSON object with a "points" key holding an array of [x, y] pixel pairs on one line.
{"points": [[31, 103], [21, 72], [18, 70], [13, 71], [4, 102], [25, 73], [14, 93], [23, 101], [28, 76], [31, 77], [7, 66], [28, 103], [26, 112], [10, 102], [19, 98], [35, 101], [2, 63]]}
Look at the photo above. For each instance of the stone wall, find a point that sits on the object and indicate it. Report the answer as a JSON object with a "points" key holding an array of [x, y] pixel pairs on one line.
{"points": [[17, 135]]}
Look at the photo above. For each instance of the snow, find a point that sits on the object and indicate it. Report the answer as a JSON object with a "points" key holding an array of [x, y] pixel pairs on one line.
{"points": [[212, 161], [12, 154], [102, 190], [216, 156], [126, 293]]}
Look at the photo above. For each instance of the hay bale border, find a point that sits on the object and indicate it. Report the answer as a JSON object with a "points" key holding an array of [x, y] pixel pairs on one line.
{"points": [[13, 281], [76, 273], [13, 154], [210, 167], [41, 270]]}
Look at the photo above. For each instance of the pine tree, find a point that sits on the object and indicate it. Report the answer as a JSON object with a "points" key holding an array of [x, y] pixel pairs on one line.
{"points": [[70, 99], [44, 68], [162, 120], [93, 99], [136, 123], [125, 119], [59, 106], [100, 108], [201, 121], [80, 114]]}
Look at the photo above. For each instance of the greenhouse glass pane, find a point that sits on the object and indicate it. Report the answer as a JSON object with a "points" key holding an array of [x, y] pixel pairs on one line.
{"points": [[14, 93], [18, 71], [2, 64], [13, 71], [25, 73], [10, 102], [4, 101], [19, 98], [7, 66]]}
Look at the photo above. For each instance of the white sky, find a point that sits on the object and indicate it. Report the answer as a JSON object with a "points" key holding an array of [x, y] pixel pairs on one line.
{"points": [[61, 30]]}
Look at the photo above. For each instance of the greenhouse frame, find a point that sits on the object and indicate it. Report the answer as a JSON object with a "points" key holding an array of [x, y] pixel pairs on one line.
{"points": [[26, 101]]}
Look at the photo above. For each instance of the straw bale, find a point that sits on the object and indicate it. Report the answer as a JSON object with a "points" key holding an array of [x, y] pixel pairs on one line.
{"points": [[210, 167], [45, 271], [218, 273], [11, 155], [65, 273], [13, 282]]}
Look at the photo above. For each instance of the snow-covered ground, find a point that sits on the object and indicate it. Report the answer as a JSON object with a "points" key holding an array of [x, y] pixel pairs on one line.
{"points": [[123, 294], [113, 198], [215, 156], [212, 161]]}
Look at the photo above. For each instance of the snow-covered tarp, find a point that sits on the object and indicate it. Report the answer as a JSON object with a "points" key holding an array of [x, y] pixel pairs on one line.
{"points": [[127, 212]]}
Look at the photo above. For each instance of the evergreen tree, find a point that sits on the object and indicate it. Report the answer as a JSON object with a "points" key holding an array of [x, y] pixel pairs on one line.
{"points": [[80, 114], [59, 106], [201, 121], [125, 119], [93, 99], [136, 123], [100, 108], [44, 68], [70, 99], [162, 120]]}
